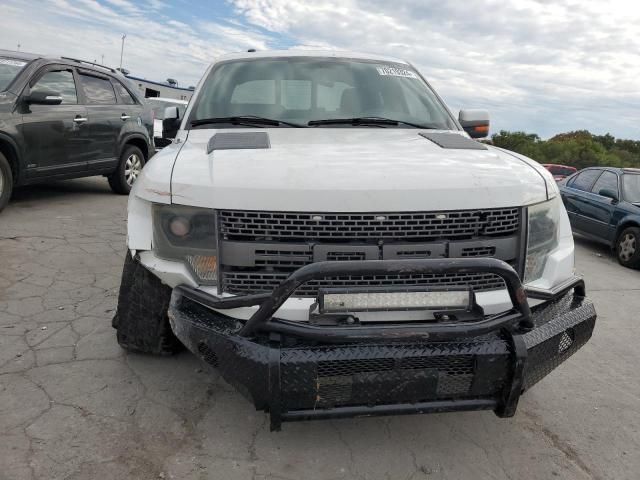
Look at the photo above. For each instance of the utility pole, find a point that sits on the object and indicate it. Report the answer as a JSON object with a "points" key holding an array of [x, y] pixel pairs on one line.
{"points": [[18, 47], [102, 61], [124, 35]]}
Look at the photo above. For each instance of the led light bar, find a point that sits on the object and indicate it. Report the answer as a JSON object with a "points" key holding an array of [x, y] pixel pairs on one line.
{"points": [[331, 301]]}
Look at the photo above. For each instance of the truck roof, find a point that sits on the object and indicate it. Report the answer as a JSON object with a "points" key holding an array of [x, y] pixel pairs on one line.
{"points": [[308, 53]]}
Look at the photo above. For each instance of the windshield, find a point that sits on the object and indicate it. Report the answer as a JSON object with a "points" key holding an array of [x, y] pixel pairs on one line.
{"points": [[631, 187], [300, 90], [9, 68], [158, 107]]}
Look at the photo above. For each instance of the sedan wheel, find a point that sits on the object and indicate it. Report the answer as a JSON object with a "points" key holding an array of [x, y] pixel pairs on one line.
{"points": [[628, 247]]}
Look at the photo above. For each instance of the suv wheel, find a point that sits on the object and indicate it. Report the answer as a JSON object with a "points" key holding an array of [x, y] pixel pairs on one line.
{"points": [[141, 320], [6, 182], [130, 166], [628, 247]]}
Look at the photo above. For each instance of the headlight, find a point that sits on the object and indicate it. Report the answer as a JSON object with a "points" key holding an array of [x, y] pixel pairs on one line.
{"points": [[187, 234], [542, 237]]}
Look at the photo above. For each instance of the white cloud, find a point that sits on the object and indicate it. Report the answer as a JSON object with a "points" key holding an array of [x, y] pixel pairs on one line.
{"points": [[155, 48], [536, 65]]}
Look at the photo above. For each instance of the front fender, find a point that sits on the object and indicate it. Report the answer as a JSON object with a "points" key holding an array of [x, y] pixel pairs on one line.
{"points": [[629, 219]]}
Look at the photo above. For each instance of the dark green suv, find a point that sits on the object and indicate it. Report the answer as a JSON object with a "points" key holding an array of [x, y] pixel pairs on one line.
{"points": [[64, 118]]}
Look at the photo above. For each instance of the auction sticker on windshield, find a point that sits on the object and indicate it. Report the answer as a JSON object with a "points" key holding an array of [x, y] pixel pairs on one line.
{"points": [[396, 72]]}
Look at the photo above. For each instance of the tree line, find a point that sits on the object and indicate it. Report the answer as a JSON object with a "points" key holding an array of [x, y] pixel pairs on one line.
{"points": [[578, 149]]}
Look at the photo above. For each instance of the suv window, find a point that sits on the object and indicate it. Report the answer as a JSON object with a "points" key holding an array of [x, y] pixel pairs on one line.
{"points": [[125, 96], [584, 180], [61, 82], [98, 90], [607, 180]]}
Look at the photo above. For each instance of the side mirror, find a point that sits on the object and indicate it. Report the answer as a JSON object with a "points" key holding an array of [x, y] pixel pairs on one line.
{"points": [[606, 192], [475, 122], [170, 123], [43, 97]]}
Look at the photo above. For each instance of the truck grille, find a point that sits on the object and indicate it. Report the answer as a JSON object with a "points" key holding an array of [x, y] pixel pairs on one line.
{"points": [[261, 249], [414, 226], [253, 282]]}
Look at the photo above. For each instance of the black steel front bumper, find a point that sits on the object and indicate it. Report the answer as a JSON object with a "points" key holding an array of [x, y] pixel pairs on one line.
{"points": [[298, 370]]}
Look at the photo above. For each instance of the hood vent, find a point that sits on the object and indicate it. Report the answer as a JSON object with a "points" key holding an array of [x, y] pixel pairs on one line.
{"points": [[238, 141], [452, 140]]}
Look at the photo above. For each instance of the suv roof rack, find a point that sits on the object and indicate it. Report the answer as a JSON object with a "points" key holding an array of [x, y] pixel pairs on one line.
{"points": [[90, 63]]}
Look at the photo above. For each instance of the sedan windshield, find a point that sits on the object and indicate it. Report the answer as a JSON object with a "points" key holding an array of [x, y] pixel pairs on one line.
{"points": [[631, 187], [296, 91], [9, 68]]}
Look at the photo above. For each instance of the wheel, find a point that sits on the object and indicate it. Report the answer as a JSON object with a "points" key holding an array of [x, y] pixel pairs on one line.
{"points": [[130, 166], [6, 182], [628, 247], [141, 320]]}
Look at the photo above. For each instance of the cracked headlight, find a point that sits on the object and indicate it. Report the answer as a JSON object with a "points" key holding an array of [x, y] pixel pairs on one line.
{"points": [[187, 234], [542, 238]]}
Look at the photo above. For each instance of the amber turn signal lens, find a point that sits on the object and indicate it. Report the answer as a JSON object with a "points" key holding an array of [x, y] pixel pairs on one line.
{"points": [[481, 128], [205, 267]]}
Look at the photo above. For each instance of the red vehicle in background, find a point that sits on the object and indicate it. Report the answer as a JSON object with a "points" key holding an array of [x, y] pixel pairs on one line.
{"points": [[559, 172]]}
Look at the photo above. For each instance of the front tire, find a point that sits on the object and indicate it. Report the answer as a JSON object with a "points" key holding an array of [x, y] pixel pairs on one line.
{"points": [[628, 247], [131, 163], [141, 320], [6, 182]]}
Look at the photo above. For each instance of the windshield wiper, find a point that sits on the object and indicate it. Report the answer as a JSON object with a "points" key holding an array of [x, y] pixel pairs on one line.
{"points": [[244, 120], [358, 121]]}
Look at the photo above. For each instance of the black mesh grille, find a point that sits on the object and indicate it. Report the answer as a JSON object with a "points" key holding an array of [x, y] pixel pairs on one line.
{"points": [[478, 252], [343, 256], [279, 226], [348, 382], [252, 282]]}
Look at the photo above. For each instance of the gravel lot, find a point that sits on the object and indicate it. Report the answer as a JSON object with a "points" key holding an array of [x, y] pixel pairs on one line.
{"points": [[73, 405]]}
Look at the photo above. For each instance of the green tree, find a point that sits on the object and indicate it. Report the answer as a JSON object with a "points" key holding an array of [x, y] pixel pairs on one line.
{"points": [[578, 149]]}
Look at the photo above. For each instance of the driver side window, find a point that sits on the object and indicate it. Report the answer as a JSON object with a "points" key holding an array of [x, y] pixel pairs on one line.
{"points": [[61, 82], [607, 180]]}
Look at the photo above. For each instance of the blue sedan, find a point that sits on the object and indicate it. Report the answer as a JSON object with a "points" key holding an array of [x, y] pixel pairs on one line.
{"points": [[604, 204]]}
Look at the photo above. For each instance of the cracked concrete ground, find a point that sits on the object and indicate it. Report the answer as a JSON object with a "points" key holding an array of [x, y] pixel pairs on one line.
{"points": [[75, 406]]}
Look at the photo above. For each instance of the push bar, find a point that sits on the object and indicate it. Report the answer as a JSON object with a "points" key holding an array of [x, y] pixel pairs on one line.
{"points": [[262, 320], [263, 316]]}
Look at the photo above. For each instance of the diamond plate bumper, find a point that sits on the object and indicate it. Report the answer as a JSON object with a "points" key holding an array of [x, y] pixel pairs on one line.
{"points": [[294, 375]]}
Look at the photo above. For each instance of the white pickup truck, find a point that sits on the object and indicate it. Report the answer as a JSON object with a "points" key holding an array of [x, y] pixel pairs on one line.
{"points": [[329, 236]]}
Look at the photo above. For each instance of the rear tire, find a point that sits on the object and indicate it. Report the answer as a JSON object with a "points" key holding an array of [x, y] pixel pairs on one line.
{"points": [[131, 163], [141, 319], [6, 182], [628, 247]]}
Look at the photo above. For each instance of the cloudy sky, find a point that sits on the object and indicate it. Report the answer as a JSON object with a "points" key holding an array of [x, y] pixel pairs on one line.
{"points": [[539, 66]]}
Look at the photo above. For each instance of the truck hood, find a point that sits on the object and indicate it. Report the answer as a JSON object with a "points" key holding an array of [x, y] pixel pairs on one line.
{"points": [[351, 170]]}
